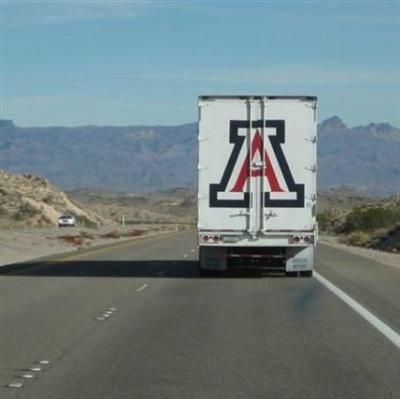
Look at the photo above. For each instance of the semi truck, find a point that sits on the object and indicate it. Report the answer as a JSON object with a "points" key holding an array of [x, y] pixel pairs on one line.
{"points": [[257, 194]]}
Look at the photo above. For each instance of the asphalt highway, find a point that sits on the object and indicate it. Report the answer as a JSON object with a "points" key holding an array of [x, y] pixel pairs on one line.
{"points": [[136, 320]]}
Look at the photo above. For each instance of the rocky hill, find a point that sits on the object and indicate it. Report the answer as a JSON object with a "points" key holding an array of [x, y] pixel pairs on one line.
{"points": [[148, 158], [28, 200]]}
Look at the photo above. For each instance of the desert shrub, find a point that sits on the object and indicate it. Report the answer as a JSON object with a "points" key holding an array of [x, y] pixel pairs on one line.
{"points": [[72, 239], [111, 234], [324, 220], [77, 239], [356, 238], [28, 210], [86, 235], [372, 218], [48, 199], [387, 240], [18, 217], [3, 211], [134, 233]]}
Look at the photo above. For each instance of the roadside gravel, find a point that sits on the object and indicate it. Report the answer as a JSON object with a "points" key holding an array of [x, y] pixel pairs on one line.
{"points": [[19, 245], [380, 256]]}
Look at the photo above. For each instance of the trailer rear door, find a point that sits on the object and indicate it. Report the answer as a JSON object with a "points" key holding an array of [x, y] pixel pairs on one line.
{"points": [[257, 163]]}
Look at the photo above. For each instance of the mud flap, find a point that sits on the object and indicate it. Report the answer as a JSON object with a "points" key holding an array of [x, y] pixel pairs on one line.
{"points": [[212, 258], [299, 259]]}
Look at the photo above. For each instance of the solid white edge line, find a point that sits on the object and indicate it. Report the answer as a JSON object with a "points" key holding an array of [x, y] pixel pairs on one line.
{"points": [[382, 327]]}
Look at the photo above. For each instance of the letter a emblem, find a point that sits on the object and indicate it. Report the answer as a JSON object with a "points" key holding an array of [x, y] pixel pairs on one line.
{"points": [[257, 145], [268, 163]]}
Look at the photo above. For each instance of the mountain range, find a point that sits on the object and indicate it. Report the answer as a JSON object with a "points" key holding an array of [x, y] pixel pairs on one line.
{"points": [[149, 158]]}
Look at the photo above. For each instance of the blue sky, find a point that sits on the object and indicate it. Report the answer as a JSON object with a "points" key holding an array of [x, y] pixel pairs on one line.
{"points": [[145, 62]]}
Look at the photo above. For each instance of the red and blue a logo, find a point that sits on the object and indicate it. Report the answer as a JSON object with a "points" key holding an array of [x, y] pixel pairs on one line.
{"points": [[270, 165]]}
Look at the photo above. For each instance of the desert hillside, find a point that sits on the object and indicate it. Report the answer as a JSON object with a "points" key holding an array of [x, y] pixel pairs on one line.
{"points": [[28, 200]]}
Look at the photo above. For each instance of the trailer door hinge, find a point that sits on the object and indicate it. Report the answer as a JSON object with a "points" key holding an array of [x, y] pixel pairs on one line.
{"points": [[311, 168], [312, 139], [270, 214], [241, 213], [312, 106]]}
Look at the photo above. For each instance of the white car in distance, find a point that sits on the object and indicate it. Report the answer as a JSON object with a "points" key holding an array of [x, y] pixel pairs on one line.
{"points": [[66, 221]]}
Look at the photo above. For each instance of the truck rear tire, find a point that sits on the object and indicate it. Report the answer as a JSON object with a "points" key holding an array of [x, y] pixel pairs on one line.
{"points": [[306, 273]]}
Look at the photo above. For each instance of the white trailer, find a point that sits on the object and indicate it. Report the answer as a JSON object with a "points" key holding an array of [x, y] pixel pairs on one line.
{"points": [[257, 182]]}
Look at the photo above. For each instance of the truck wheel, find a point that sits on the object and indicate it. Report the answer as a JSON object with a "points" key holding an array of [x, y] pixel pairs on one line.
{"points": [[306, 273], [291, 274]]}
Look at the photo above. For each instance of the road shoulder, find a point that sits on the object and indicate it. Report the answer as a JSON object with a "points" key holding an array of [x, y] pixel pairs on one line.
{"points": [[371, 283], [39, 245], [388, 259]]}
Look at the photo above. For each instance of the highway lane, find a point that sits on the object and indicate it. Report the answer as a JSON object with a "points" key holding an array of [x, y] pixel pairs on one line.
{"points": [[176, 335]]}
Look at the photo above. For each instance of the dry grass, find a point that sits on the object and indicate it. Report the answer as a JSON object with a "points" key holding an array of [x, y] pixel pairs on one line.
{"points": [[84, 238], [77, 239], [111, 234], [135, 233], [120, 234], [356, 238]]}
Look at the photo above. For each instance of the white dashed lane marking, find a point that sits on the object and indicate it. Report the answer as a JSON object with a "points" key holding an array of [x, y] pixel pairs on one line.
{"points": [[143, 287], [16, 384]]}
